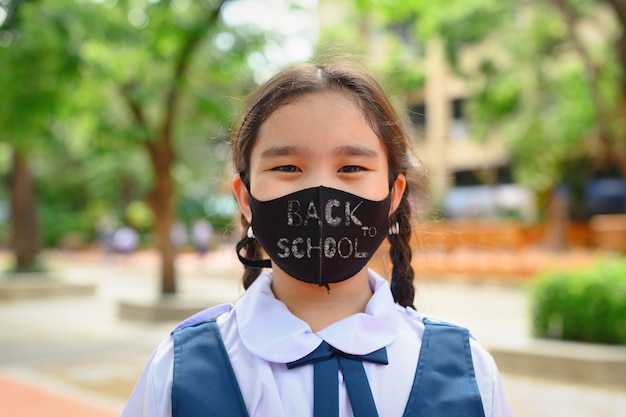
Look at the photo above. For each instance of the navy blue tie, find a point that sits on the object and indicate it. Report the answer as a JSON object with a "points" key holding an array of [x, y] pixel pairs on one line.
{"points": [[326, 361]]}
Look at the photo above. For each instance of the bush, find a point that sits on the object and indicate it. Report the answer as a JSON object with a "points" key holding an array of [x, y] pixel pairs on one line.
{"points": [[587, 305]]}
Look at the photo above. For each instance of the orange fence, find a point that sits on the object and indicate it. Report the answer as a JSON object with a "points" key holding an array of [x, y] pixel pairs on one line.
{"points": [[499, 234], [490, 249], [448, 235], [609, 231]]}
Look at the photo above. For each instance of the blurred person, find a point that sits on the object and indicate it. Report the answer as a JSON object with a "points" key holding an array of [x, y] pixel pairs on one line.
{"points": [[179, 235], [201, 235], [125, 240], [105, 227]]}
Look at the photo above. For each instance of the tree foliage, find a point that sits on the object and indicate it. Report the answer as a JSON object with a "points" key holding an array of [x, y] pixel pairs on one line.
{"points": [[547, 76], [39, 61], [121, 104]]}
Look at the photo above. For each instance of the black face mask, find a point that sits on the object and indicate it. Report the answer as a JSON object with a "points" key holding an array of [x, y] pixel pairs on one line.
{"points": [[319, 235]]}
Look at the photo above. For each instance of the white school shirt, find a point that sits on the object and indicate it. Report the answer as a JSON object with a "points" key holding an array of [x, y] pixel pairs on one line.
{"points": [[261, 336]]}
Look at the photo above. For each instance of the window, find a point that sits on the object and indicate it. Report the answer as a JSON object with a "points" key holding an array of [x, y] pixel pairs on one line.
{"points": [[459, 126], [417, 115]]}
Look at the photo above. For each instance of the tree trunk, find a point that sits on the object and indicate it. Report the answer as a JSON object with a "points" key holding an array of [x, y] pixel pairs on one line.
{"points": [[611, 138], [616, 146], [619, 156], [24, 223], [160, 201], [161, 150], [620, 151]]}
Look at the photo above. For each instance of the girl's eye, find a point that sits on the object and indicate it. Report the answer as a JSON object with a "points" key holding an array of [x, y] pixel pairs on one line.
{"points": [[286, 168], [351, 168]]}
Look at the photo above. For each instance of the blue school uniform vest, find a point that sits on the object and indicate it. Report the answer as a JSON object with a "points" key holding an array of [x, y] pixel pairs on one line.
{"points": [[204, 382]]}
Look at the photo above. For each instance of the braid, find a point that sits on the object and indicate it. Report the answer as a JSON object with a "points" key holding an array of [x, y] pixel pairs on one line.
{"points": [[250, 273], [400, 252], [253, 251]]}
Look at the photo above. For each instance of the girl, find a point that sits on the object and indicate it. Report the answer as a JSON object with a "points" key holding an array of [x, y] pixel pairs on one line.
{"points": [[323, 177]]}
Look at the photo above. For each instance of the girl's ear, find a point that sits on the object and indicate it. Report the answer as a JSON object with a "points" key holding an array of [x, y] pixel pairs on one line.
{"points": [[243, 197], [397, 192]]}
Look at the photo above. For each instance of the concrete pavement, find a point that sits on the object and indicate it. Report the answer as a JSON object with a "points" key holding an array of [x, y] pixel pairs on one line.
{"points": [[74, 354]]}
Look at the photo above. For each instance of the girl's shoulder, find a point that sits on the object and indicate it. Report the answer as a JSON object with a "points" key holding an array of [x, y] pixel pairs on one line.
{"points": [[419, 320], [204, 316]]}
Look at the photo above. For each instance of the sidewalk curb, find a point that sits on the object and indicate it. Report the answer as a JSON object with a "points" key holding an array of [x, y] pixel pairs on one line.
{"points": [[162, 309], [582, 363], [30, 286]]}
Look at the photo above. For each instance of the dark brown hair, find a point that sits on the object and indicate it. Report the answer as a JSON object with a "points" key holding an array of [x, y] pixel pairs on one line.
{"points": [[299, 80]]}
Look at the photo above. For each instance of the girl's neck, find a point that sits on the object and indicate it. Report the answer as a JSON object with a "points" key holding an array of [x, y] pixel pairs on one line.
{"points": [[318, 306]]}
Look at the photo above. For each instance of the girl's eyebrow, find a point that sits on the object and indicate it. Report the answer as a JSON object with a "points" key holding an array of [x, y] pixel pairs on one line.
{"points": [[281, 151], [344, 150], [355, 150]]}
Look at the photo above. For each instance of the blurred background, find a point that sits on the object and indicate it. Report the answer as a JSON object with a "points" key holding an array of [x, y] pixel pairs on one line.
{"points": [[115, 167]]}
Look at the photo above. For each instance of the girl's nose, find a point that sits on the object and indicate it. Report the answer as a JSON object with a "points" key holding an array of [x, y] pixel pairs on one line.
{"points": [[320, 176]]}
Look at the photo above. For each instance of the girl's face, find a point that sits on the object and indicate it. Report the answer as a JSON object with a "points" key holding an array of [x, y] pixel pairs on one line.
{"points": [[320, 139]]}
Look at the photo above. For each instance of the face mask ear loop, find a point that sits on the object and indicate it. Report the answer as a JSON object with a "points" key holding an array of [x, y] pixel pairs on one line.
{"points": [[249, 238], [394, 226], [256, 263]]}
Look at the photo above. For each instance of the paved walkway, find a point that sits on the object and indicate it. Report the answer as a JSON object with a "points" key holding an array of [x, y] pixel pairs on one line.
{"points": [[27, 399], [73, 356]]}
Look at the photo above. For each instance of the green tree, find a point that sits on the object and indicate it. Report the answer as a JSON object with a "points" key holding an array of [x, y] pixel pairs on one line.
{"points": [[549, 76], [38, 60], [165, 81], [130, 105]]}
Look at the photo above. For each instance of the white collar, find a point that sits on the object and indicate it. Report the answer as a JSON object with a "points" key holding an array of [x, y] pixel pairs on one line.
{"points": [[269, 330]]}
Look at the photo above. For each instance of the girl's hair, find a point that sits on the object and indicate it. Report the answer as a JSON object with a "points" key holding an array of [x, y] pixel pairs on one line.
{"points": [[299, 80]]}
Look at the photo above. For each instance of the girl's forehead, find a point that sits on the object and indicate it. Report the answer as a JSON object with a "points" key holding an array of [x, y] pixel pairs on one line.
{"points": [[329, 98], [318, 109], [315, 119]]}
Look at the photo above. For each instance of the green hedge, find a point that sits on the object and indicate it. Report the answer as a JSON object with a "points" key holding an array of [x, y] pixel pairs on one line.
{"points": [[587, 305]]}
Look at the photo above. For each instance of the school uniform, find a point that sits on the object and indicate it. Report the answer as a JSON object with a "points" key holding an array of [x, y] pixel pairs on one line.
{"points": [[261, 337]]}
